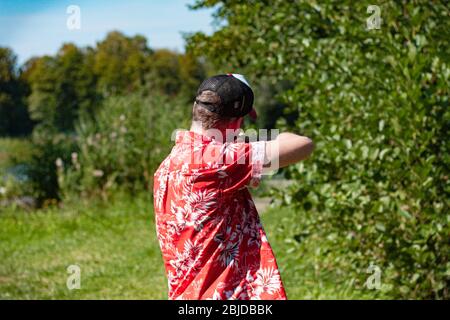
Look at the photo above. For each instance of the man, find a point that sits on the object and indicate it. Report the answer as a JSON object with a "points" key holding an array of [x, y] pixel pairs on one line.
{"points": [[211, 238]]}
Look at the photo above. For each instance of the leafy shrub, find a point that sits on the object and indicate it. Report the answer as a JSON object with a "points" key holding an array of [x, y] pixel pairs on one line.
{"points": [[14, 153], [50, 150], [10, 188], [376, 103], [124, 144]]}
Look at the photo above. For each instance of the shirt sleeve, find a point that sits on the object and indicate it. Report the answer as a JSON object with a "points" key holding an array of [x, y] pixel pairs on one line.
{"points": [[243, 165]]}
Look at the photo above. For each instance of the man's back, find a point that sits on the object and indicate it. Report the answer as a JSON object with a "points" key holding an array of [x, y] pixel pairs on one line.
{"points": [[212, 241]]}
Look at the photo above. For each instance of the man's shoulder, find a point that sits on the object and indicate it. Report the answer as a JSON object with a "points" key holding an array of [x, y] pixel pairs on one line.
{"points": [[163, 167]]}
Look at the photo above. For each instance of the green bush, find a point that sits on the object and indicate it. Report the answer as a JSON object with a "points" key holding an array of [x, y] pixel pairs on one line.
{"points": [[376, 103], [14, 153], [50, 150], [124, 144]]}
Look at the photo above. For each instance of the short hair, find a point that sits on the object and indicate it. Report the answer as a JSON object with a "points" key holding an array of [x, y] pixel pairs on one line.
{"points": [[209, 119]]}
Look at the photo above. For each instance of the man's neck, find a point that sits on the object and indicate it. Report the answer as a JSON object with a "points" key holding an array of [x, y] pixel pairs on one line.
{"points": [[211, 133], [208, 133]]}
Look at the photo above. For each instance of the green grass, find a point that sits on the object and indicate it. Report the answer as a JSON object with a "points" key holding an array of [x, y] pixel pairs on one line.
{"points": [[114, 245], [116, 248]]}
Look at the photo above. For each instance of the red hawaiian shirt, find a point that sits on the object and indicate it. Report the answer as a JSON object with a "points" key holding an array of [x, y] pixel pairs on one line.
{"points": [[210, 234]]}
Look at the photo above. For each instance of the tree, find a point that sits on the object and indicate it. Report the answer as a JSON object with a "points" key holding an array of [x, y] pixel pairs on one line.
{"points": [[192, 72], [164, 71], [62, 87], [42, 102], [14, 119], [120, 63], [172, 73]]}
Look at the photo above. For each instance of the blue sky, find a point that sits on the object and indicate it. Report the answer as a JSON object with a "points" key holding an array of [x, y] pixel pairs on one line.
{"points": [[38, 27]]}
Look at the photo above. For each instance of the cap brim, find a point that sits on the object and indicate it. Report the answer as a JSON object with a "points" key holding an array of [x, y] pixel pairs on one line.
{"points": [[253, 115]]}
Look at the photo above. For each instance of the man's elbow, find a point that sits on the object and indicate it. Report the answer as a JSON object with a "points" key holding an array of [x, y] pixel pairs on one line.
{"points": [[311, 145], [308, 147]]}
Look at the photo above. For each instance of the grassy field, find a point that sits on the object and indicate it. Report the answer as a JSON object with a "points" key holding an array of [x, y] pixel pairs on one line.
{"points": [[115, 246]]}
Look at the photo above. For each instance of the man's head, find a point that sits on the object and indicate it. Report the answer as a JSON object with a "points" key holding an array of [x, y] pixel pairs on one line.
{"points": [[222, 101]]}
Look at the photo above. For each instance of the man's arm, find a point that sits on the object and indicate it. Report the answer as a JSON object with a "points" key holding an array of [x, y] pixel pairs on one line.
{"points": [[289, 148]]}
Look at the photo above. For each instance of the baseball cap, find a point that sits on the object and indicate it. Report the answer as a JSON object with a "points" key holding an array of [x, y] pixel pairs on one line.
{"points": [[229, 95]]}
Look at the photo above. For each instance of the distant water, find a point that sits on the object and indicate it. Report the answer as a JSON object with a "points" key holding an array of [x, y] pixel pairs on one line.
{"points": [[18, 171]]}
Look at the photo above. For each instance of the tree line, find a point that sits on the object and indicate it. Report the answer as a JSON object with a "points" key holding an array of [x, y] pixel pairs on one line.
{"points": [[51, 92]]}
